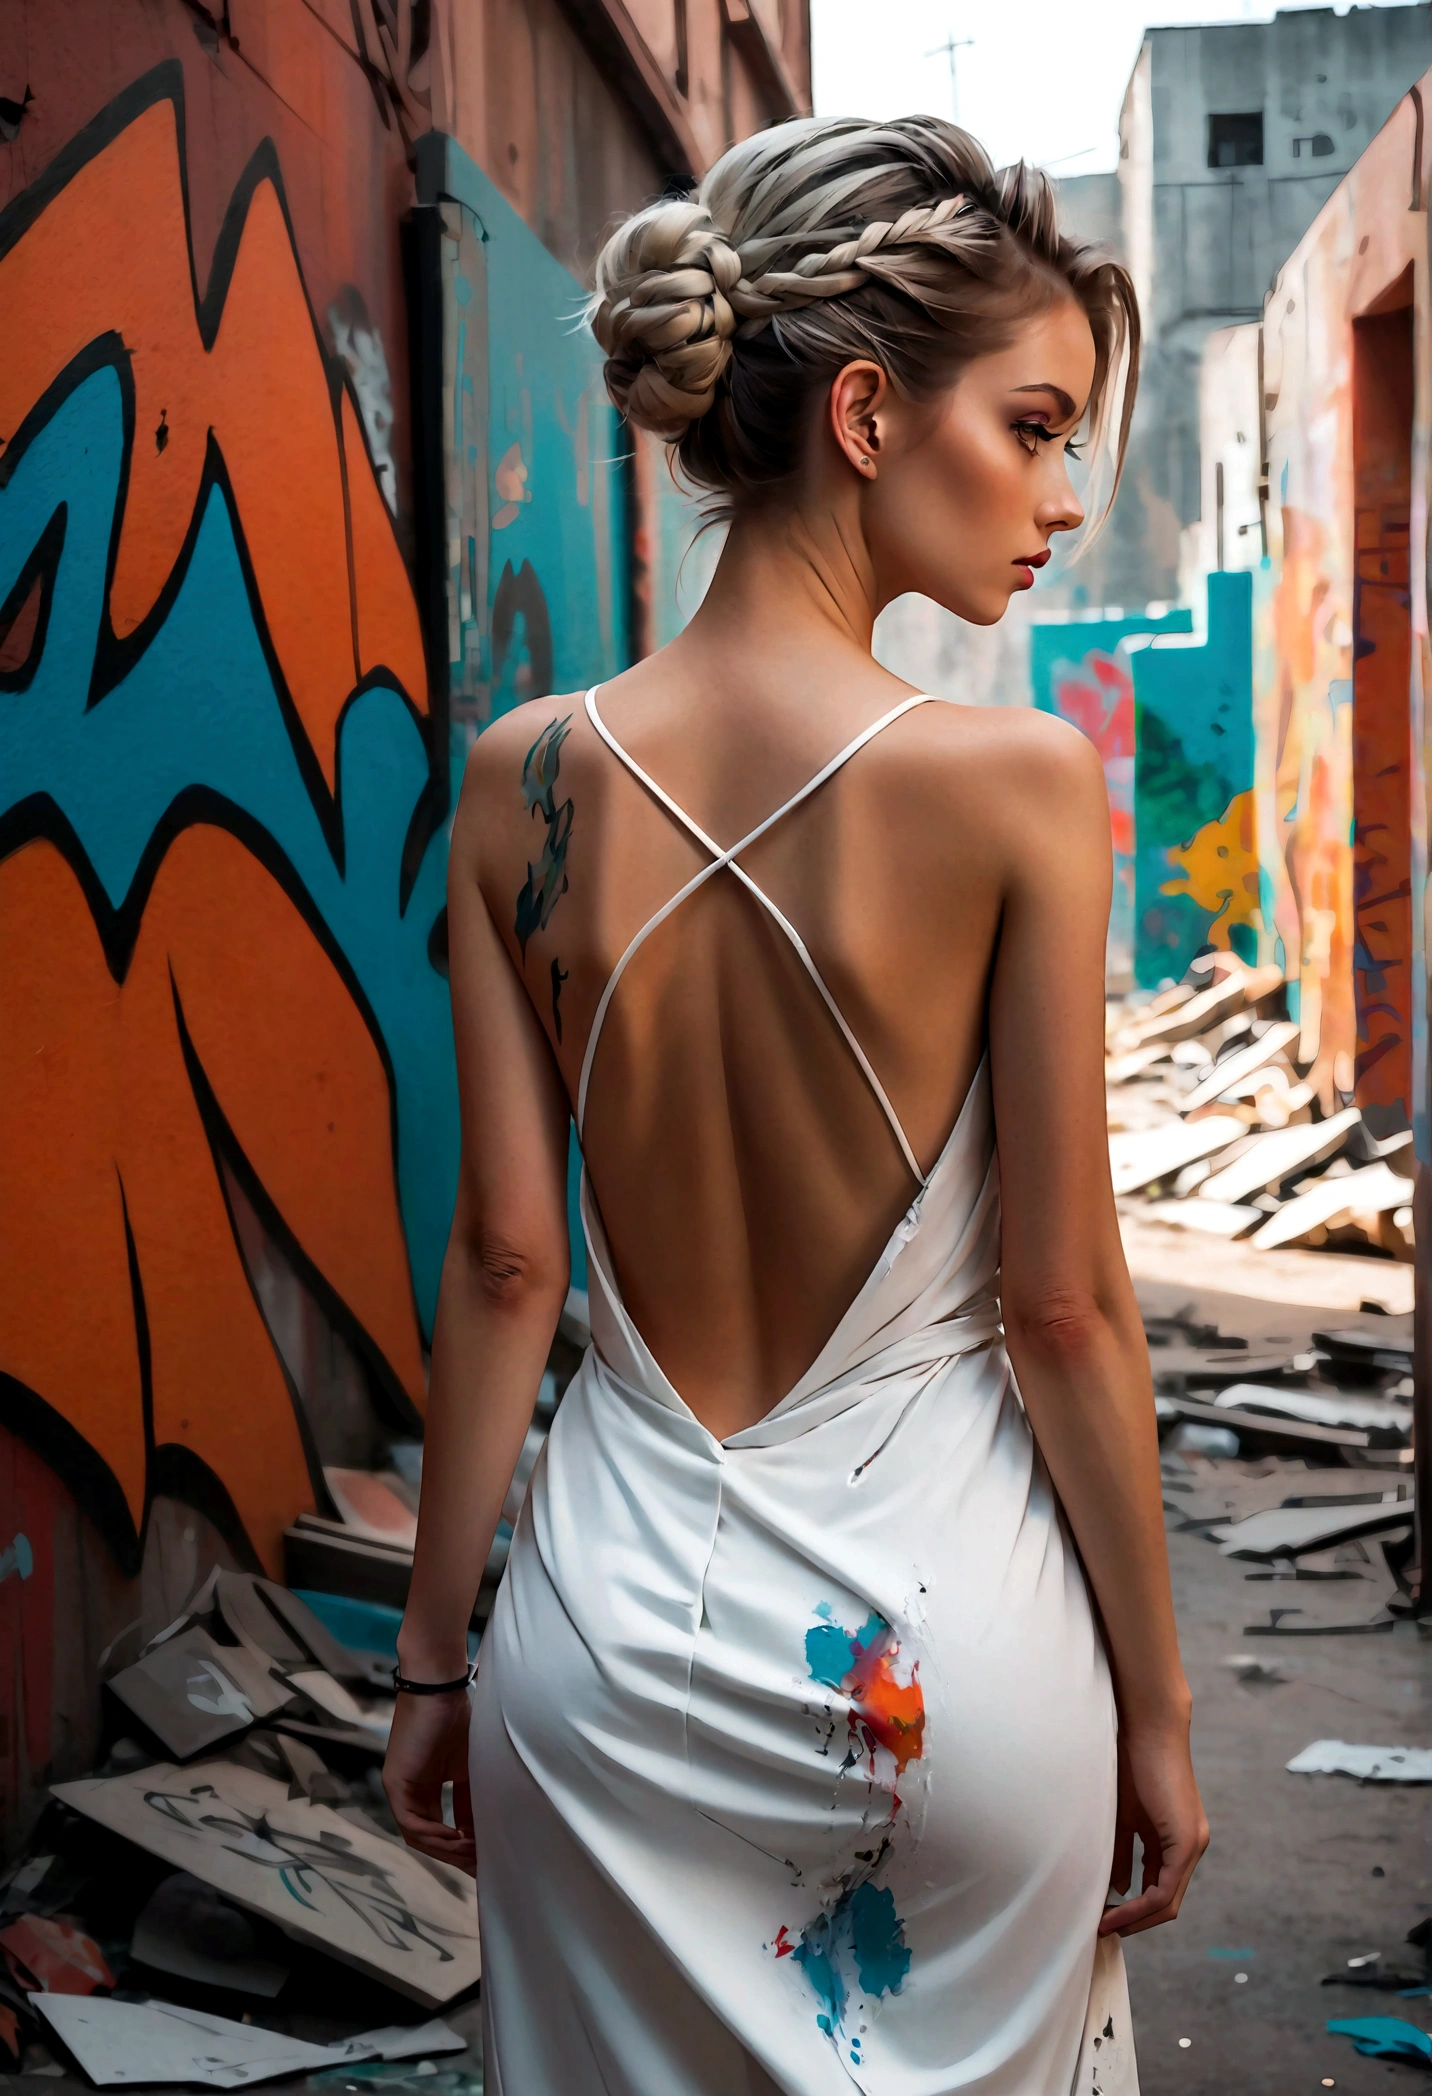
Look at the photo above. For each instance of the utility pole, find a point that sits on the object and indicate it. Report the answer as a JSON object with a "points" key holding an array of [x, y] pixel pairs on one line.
{"points": [[947, 49]]}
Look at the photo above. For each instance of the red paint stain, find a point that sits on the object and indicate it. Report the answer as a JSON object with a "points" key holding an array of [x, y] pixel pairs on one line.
{"points": [[784, 1945]]}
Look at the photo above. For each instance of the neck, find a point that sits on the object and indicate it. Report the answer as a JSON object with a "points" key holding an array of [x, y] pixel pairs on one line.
{"points": [[790, 579]]}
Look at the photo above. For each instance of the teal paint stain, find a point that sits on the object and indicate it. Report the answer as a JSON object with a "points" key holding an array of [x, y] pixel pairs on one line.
{"points": [[17, 1557], [863, 1936], [831, 1651], [882, 1956], [859, 1942]]}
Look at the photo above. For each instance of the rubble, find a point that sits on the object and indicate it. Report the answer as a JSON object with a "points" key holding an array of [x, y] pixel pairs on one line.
{"points": [[1216, 1123], [226, 1900]]}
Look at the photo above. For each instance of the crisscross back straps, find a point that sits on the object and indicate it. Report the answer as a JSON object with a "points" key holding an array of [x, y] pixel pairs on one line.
{"points": [[725, 861]]}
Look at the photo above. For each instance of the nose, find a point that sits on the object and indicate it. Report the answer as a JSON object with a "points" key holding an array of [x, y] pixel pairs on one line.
{"points": [[1061, 510]]}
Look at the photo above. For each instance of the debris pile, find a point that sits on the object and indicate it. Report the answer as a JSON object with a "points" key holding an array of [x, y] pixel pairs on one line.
{"points": [[226, 1899], [1215, 1126]]}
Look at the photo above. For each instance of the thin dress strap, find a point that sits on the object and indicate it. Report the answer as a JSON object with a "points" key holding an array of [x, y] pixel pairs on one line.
{"points": [[725, 861]]}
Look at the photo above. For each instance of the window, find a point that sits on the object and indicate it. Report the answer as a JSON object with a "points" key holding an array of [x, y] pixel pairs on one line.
{"points": [[1318, 145], [1236, 141]]}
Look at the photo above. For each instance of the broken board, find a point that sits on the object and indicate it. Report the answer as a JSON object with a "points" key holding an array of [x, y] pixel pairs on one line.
{"points": [[384, 1909]]}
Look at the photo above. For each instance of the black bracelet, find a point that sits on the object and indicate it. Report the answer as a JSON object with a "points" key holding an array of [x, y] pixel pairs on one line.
{"points": [[432, 1688]]}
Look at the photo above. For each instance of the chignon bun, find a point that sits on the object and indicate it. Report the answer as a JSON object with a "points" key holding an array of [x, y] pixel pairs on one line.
{"points": [[821, 241]]}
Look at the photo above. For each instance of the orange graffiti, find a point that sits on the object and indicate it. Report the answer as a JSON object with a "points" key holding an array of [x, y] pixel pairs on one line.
{"points": [[127, 1305], [336, 599]]}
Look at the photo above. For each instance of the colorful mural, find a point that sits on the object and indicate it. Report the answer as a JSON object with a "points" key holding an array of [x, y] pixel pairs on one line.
{"points": [[1081, 670], [1195, 878], [222, 837], [1341, 631], [218, 863]]}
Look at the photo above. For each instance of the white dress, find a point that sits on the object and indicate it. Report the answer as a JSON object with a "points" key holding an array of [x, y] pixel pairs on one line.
{"points": [[793, 1754]]}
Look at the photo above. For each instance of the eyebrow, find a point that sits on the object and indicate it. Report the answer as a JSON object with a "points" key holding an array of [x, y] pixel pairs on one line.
{"points": [[1065, 404]]}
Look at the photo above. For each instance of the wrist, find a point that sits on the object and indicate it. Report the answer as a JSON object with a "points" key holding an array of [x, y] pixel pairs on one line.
{"points": [[1166, 1711], [431, 1659]]}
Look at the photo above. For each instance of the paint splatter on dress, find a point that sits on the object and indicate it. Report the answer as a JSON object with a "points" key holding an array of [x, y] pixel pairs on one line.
{"points": [[794, 1753]]}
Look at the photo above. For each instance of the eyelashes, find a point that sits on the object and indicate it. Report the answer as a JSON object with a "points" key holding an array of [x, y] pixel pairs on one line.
{"points": [[1033, 434]]}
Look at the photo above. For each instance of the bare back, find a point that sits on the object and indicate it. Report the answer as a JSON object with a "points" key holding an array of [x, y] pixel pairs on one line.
{"points": [[745, 1170]]}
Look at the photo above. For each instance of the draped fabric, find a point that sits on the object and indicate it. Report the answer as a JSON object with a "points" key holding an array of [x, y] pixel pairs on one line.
{"points": [[794, 1754]]}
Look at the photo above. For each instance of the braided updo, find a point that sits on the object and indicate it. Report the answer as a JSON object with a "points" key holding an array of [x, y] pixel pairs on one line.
{"points": [[822, 241]]}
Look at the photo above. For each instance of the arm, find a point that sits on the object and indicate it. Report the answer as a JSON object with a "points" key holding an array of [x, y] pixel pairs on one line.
{"points": [[1073, 1328], [504, 1281]]}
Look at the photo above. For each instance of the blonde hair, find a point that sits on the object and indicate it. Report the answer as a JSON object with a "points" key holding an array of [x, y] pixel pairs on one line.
{"points": [[827, 240]]}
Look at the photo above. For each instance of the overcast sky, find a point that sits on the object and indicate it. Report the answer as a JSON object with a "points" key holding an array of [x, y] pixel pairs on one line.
{"points": [[1040, 78]]}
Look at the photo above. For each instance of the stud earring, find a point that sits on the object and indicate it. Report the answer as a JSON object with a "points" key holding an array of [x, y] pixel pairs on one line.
{"points": [[865, 462]]}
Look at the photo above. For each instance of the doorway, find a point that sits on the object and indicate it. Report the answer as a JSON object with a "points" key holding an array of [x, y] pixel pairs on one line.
{"points": [[1382, 667]]}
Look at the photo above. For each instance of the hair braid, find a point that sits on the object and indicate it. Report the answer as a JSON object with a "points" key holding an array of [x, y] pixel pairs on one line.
{"points": [[818, 242]]}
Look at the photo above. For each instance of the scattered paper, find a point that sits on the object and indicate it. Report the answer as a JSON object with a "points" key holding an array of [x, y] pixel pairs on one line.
{"points": [[360, 1897], [180, 1690], [124, 2043], [1334, 1757]]}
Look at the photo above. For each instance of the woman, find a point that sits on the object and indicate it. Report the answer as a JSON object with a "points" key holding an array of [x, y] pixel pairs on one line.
{"points": [[794, 1746]]}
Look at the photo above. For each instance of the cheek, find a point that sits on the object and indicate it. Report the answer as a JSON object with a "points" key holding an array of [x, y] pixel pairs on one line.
{"points": [[973, 480]]}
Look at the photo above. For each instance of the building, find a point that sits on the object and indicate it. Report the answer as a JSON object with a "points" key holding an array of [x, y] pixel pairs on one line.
{"points": [[1232, 137], [304, 476], [1336, 390]]}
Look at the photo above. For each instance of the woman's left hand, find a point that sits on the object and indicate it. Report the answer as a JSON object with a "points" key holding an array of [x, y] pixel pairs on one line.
{"points": [[1158, 1801], [426, 1749]]}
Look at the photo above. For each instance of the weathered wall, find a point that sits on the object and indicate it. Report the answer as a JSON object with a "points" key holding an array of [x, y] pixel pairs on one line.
{"points": [[219, 857], [304, 475], [1341, 642], [1196, 879], [1081, 669]]}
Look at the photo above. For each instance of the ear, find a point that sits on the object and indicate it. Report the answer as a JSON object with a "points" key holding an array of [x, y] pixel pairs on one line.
{"points": [[857, 396]]}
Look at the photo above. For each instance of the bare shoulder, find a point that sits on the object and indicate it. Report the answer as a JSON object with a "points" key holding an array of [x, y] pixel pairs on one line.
{"points": [[501, 754], [512, 767], [1001, 768]]}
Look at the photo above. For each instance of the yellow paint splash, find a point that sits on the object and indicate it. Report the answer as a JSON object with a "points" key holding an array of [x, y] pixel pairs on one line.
{"points": [[1220, 869]]}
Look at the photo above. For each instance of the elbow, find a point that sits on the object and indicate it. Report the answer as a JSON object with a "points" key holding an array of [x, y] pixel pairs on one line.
{"points": [[1062, 1329], [511, 1278]]}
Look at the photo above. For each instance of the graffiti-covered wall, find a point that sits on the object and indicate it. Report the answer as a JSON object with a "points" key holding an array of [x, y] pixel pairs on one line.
{"points": [[1082, 670], [1340, 644], [306, 473], [1196, 880], [220, 859]]}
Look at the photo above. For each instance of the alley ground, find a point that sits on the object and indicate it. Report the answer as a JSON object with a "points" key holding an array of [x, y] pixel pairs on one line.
{"points": [[1304, 1872]]}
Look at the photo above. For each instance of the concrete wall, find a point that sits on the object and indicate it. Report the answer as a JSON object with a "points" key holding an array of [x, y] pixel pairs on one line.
{"points": [[304, 475], [1205, 241]]}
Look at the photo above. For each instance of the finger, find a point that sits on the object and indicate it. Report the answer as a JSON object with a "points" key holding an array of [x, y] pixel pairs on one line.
{"points": [[1122, 1872], [1158, 1902], [445, 1844], [462, 1804]]}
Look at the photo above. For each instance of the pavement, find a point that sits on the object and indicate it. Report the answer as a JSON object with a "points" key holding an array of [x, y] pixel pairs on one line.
{"points": [[1303, 1872]]}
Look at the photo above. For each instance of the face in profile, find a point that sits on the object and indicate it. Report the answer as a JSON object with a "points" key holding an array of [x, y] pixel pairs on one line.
{"points": [[973, 486]]}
